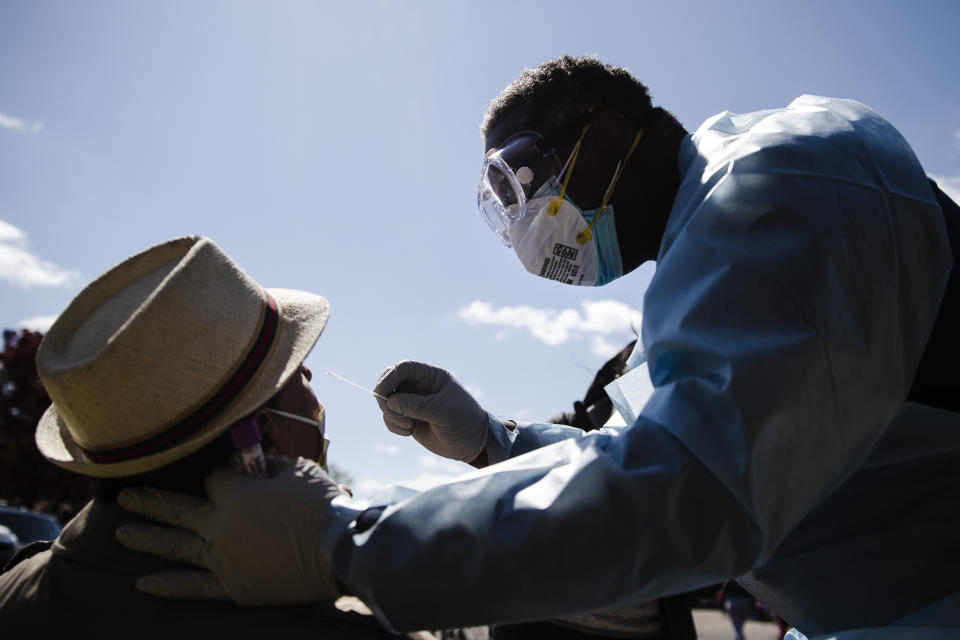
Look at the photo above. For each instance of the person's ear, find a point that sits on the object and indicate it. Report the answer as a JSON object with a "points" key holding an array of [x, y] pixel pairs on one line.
{"points": [[611, 132], [267, 426], [604, 146]]}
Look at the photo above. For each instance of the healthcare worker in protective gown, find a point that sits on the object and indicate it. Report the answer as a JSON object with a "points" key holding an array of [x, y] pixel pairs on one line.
{"points": [[802, 434]]}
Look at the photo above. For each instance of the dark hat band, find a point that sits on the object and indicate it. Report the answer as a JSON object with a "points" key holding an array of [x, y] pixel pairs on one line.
{"points": [[214, 406]]}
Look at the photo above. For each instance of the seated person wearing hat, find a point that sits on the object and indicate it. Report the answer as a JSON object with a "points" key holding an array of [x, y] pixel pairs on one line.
{"points": [[148, 368]]}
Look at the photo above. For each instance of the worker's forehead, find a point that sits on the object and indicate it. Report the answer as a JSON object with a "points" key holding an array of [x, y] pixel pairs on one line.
{"points": [[510, 123]]}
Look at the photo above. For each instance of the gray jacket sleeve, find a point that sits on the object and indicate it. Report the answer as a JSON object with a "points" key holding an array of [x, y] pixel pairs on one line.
{"points": [[519, 540]]}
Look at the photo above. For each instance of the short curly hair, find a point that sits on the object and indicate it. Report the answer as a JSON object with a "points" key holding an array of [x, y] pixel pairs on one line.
{"points": [[557, 94]]}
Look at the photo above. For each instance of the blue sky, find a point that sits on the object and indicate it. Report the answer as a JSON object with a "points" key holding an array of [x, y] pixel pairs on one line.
{"points": [[334, 147]]}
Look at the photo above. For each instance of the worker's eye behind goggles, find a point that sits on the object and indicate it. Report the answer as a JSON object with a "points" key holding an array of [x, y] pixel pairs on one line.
{"points": [[511, 176]]}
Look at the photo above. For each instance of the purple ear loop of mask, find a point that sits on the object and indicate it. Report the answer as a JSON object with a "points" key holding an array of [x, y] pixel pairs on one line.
{"points": [[246, 439]]}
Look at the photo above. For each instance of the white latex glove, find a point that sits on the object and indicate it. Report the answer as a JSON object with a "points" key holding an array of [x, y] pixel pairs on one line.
{"points": [[257, 537], [428, 403]]}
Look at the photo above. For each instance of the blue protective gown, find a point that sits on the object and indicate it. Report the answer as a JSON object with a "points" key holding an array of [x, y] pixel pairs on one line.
{"points": [[800, 274]]}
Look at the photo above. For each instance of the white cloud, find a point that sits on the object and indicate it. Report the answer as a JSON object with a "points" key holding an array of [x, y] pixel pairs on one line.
{"points": [[20, 267], [368, 488], [427, 480], [602, 347], [599, 318], [8, 122], [9, 233], [523, 414], [433, 471], [475, 391], [17, 124], [949, 185], [364, 488], [389, 449], [442, 465], [38, 323]]}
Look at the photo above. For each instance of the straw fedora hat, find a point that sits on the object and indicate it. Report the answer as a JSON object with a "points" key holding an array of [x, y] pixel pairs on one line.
{"points": [[162, 353]]}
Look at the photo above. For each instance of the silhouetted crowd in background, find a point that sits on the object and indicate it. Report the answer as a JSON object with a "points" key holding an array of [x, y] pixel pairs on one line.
{"points": [[26, 478]]}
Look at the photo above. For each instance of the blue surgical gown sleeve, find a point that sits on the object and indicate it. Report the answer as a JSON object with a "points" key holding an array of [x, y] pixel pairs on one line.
{"points": [[796, 285]]}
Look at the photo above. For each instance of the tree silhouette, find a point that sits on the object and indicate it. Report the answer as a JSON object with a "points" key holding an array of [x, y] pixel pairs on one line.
{"points": [[26, 478]]}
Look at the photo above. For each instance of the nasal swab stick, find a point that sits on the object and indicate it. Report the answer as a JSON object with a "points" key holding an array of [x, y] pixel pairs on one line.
{"points": [[331, 373]]}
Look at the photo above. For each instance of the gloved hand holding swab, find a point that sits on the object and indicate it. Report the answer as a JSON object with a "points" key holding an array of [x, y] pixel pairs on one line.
{"points": [[331, 373]]}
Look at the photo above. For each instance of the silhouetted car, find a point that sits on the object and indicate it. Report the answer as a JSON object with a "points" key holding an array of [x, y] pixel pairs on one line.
{"points": [[9, 543], [19, 527]]}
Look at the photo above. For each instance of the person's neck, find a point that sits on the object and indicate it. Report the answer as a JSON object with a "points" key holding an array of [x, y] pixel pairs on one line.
{"points": [[645, 199], [89, 538]]}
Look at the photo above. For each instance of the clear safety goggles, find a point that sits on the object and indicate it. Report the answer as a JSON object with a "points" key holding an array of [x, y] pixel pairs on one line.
{"points": [[521, 168], [510, 176]]}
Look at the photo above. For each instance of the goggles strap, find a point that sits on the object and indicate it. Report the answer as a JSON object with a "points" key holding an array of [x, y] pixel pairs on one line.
{"points": [[584, 236], [554, 207]]}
